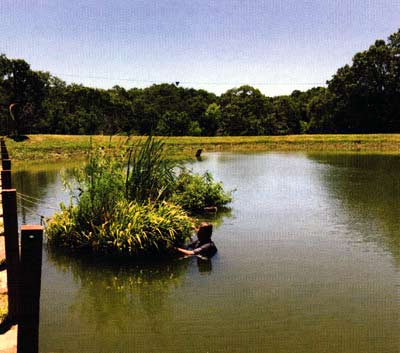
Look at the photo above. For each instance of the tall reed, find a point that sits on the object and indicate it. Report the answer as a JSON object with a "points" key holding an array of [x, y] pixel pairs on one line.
{"points": [[150, 174]]}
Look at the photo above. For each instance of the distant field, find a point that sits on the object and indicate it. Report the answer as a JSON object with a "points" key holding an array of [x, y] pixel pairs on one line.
{"points": [[59, 147]]}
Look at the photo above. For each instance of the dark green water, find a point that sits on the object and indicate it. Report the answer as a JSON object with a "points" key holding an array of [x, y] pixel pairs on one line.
{"points": [[308, 261]]}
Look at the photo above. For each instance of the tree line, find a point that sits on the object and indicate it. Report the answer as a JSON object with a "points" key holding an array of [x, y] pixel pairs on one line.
{"points": [[363, 97]]}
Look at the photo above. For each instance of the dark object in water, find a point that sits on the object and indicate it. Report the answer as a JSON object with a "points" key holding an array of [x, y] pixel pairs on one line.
{"points": [[198, 153], [211, 209]]}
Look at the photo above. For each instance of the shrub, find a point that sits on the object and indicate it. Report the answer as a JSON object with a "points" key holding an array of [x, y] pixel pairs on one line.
{"points": [[195, 192]]}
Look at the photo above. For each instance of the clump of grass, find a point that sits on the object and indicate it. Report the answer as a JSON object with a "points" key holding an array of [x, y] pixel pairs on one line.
{"points": [[133, 229]]}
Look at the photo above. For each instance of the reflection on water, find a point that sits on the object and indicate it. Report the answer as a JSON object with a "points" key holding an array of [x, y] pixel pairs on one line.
{"points": [[113, 306], [110, 293], [308, 261], [39, 190], [204, 265], [369, 191]]}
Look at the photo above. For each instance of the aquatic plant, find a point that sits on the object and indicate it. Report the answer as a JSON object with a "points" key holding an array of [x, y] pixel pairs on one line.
{"points": [[132, 229], [101, 186], [150, 175], [132, 204], [195, 192]]}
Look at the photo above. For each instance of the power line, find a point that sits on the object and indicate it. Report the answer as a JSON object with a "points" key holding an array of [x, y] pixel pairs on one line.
{"points": [[107, 78]]}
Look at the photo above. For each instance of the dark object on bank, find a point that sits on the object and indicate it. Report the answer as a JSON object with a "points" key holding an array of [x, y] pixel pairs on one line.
{"points": [[198, 153], [19, 138]]}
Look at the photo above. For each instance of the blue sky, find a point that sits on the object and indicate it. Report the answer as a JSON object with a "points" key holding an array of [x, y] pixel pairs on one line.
{"points": [[276, 46]]}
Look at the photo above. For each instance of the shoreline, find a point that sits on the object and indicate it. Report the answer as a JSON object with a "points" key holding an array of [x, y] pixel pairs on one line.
{"points": [[65, 147]]}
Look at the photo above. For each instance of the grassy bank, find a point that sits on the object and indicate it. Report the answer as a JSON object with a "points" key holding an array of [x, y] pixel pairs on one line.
{"points": [[53, 147]]}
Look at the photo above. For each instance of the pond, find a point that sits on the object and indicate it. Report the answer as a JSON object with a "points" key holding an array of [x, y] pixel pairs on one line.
{"points": [[308, 261]]}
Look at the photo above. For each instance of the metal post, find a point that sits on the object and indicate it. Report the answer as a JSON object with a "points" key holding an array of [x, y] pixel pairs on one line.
{"points": [[10, 220], [31, 271]]}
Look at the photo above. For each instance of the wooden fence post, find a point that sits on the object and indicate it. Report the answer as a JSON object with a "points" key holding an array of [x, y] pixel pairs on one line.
{"points": [[10, 223], [6, 164], [6, 180], [4, 152], [31, 270]]}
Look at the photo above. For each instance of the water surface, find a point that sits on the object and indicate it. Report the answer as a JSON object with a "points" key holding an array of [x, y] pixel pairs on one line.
{"points": [[308, 261]]}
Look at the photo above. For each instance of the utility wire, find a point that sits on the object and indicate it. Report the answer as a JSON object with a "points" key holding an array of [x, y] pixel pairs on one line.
{"points": [[107, 78]]}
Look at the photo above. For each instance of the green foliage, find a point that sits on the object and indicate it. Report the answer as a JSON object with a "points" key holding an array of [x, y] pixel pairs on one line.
{"points": [[131, 230], [194, 129], [287, 116], [134, 208], [101, 186], [150, 175], [367, 93], [243, 111], [173, 124], [212, 119], [26, 90], [195, 192], [320, 111]]}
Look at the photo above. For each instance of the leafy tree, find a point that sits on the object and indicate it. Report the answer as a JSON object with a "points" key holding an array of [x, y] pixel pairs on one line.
{"points": [[287, 115], [24, 90], [367, 92], [212, 119], [194, 129], [54, 107], [301, 101], [321, 110], [5, 68], [198, 102], [120, 111], [173, 124], [145, 117], [393, 87], [243, 111]]}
